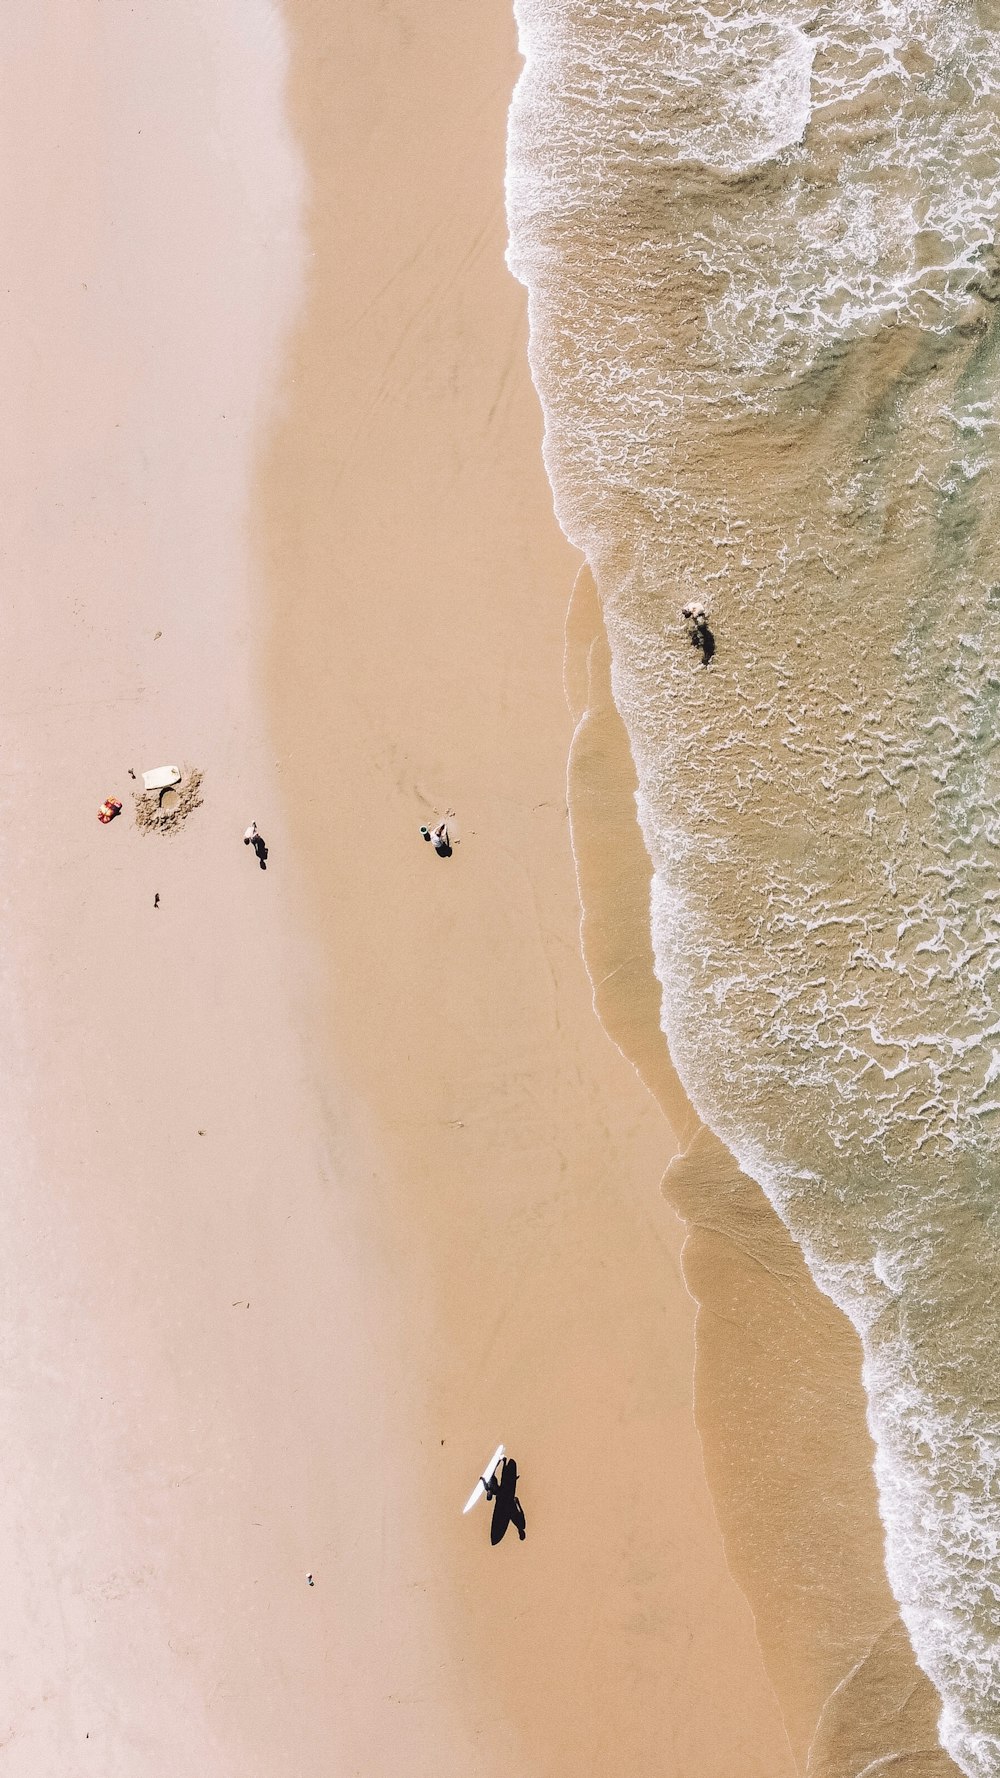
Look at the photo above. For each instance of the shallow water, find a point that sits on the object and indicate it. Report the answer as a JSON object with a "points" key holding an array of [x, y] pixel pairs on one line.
{"points": [[759, 255]]}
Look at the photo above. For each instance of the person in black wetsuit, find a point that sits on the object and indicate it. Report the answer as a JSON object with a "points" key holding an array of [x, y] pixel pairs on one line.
{"points": [[507, 1509]]}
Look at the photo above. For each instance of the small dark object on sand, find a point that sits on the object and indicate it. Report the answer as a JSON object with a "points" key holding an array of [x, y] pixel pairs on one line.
{"points": [[156, 899]]}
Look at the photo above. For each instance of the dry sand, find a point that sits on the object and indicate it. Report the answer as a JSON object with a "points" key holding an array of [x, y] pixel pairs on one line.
{"points": [[319, 1180]]}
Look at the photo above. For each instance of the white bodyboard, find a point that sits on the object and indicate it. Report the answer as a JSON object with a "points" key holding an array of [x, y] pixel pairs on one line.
{"points": [[161, 778], [478, 1491]]}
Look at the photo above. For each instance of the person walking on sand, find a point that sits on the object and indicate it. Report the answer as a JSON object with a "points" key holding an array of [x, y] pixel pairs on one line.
{"points": [[253, 837], [507, 1509]]}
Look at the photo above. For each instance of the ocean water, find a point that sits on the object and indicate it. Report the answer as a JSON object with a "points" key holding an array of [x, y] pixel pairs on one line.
{"points": [[759, 246]]}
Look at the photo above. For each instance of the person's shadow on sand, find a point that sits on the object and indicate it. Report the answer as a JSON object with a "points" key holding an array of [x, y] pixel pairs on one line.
{"points": [[507, 1509], [260, 850]]}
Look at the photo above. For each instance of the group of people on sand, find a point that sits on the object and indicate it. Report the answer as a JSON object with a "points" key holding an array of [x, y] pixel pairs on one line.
{"points": [[438, 837], [502, 1489]]}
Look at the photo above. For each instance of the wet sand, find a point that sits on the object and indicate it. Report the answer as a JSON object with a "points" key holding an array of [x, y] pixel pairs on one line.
{"points": [[777, 1380], [419, 585]]}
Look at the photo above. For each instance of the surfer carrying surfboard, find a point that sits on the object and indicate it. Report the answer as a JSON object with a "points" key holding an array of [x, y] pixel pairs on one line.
{"points": [[507, 1509]]}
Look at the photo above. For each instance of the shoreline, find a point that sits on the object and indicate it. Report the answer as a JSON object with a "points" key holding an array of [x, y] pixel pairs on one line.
{"points": [[534, 1266], [778, 1397]]}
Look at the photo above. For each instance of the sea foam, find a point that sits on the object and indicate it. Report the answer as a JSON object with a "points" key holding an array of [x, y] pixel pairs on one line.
{"points": [[759, 251]]}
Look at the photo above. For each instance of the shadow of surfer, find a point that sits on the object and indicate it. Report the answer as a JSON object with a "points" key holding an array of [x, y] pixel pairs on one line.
{"points": [[507, 1509]]}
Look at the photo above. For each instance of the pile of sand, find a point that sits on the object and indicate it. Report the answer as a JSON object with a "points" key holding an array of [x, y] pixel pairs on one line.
{"points": [[165, 811]]}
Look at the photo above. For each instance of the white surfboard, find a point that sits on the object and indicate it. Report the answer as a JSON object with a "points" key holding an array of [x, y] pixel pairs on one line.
{"points": [[478, 1491]]}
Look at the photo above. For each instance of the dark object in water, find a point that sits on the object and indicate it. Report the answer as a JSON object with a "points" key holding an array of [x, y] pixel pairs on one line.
{"points": [[699, 634]]}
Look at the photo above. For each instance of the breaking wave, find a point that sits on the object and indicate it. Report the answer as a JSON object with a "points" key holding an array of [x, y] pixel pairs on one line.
{"points": [[759, 247]]}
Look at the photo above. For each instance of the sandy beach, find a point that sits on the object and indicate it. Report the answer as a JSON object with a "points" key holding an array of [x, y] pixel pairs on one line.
{"points": [[423, 590], [321, 1178], [325, 1178]]}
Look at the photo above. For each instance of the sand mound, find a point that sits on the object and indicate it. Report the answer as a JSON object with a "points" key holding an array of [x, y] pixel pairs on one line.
{"points": [[165, 811]]}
